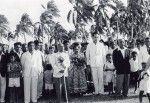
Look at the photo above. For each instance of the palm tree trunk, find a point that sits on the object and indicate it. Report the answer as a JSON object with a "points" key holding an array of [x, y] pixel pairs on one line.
{"points": [[132, 28], [24, 38], [117, 29], [118, 25]]}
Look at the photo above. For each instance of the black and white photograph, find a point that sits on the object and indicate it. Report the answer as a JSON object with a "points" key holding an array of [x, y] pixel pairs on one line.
{"points": [[74, 51]]}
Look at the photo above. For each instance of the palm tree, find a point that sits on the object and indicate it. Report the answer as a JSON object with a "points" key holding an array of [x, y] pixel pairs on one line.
{"points": [[4, 26], [118, 19], [25, 26], [137, 11], [101, 15], [46, 24], [82, 13], [82, 10]]}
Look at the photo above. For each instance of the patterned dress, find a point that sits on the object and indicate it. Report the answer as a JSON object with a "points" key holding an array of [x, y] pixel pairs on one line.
{"points": [[77, 80]]}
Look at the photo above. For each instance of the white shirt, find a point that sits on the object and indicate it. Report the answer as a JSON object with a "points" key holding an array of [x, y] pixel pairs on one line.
{"points": [[109, 66], [122, 51], [135, 65], [41, 54], [95, 54], [143, 54], [50, 59], [58, 67], [32, 64]]}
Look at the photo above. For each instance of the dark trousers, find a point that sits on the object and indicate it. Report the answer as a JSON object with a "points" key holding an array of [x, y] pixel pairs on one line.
{"points": [[122, 84], [60, 88], [14, 95]]}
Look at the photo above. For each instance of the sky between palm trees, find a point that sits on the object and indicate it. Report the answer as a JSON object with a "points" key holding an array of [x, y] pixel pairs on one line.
{"points": [[13, 9]]}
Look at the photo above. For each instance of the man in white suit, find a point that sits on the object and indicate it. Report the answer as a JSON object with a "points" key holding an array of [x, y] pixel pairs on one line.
{"points": [[31, 63], [95, 54]]}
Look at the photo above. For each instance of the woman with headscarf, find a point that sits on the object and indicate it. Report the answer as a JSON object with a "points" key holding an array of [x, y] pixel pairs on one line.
{"points": [[77, 80]]}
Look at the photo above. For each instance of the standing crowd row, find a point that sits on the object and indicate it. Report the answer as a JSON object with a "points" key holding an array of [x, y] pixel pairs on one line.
{"points": [[70, 69]]}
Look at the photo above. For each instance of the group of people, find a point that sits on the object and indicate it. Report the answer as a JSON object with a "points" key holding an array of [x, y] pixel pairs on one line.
{"points": [[68, 68]]}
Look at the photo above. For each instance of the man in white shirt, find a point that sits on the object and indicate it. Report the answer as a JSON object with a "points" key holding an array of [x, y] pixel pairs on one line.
{"points": [[95, 54], [51, 56], [2, 78], [31, 63], [38, 49], [143, 53], [62, 63]]}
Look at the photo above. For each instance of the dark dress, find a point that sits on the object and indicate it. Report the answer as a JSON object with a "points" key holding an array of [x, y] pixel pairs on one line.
{"points": [[77, 79]]}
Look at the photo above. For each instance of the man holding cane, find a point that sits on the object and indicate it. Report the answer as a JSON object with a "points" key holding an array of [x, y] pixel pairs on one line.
{"points": [[62, 63]]}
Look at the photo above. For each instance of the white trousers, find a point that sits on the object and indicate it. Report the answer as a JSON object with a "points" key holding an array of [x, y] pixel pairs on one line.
{"points": [[97, 74], [30, 89], [40, 85], [2, 88]]}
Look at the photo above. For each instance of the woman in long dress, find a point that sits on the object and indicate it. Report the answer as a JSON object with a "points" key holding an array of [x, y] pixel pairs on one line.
{"points": [[77, 80]]}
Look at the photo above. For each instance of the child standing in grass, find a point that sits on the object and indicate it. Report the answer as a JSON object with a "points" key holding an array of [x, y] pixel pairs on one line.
{"points": [[14, 73], [109, 69], [135, 66], [48, 78], [144, 83]]}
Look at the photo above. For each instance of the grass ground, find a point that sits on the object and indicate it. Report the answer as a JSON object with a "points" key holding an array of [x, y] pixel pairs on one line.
{"points": [[132, 98]]}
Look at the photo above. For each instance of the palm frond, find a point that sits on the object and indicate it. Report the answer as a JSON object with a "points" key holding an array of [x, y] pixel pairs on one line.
{"points": [[52, 8], [43, 6], [68, 16], [26, 19], [3, 20]]}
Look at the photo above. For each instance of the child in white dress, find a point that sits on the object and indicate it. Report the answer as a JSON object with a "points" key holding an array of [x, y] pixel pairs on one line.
{"points": [[109, 70], [144, 83]]}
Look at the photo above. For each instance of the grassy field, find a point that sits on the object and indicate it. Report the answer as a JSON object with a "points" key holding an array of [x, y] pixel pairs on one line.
{"points": [[132, 98]]}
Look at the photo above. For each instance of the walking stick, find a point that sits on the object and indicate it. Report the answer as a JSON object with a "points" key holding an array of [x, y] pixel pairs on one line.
{"points": [[65, 89]]}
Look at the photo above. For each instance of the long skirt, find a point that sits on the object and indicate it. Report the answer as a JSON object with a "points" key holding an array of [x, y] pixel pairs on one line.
{"points": [[77, 80]]}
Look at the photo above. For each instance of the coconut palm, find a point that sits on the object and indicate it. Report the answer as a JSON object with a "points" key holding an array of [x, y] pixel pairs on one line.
{"points": [[25, 26], [46, 25], [51, 9], [101, 15], [137, 11], [118, 20], [82, 10], [82, 13], [4, 26]]}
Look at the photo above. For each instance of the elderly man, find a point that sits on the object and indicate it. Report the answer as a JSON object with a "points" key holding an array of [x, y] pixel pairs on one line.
{"points": [[121, 57], [143, 53], [95, 54], [31, 63], [61, 65]]}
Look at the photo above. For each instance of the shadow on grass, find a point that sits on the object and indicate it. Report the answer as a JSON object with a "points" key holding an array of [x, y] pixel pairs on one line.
{"points": [[99, 98]]}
